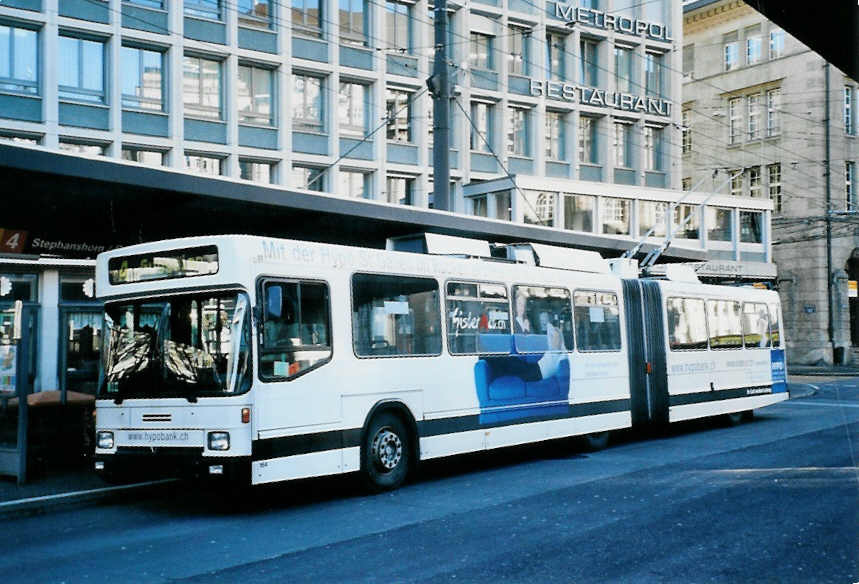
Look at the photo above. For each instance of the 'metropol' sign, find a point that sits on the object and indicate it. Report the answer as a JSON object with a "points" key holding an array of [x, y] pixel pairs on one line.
{"points": [[600, 97], [616, 22]]}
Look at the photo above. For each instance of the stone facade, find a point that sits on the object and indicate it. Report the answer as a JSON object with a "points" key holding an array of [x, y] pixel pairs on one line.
{"points": [[754, 108]]}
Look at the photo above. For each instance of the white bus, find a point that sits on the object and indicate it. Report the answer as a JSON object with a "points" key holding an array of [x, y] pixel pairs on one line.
{"points": [[269, 360]]}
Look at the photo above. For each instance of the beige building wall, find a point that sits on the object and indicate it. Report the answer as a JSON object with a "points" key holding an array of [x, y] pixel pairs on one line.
{"points": [[788, 84]]}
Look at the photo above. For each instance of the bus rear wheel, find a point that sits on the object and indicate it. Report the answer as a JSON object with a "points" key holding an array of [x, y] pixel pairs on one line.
{"points": [[386, 455]]}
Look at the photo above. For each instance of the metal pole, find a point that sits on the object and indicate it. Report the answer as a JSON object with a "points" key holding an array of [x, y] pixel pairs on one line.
{"points": [[22, 385], [831, 323], [441, 113]]}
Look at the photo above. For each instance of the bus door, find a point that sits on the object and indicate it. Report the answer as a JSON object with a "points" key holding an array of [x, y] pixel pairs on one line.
{"points": [[648, 377]]}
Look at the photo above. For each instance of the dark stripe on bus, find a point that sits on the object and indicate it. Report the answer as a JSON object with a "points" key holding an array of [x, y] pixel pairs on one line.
{"points": [[265, 449], [718, 395]]}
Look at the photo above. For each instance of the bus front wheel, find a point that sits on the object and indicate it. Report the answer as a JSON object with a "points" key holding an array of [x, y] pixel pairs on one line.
{"points": [[386, 455]]}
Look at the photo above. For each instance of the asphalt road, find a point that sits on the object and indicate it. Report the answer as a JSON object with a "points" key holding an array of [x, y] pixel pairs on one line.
{"points": [[774, 500]]}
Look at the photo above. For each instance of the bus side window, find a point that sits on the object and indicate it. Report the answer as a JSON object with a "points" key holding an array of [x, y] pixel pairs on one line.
{"points": [[775, 337], [295, 330], [597, 319]]}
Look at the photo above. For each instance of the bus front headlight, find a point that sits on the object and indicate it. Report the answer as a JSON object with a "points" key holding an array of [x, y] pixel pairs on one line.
{"points": [[104, 439], [219, 440]]}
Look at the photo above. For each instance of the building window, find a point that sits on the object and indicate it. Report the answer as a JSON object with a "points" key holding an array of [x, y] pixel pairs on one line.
{"points": [[353, 104], [479, 206], [354, 184], [143, 155], [579, 212], [202, 164], [720, 223], [731, 51], [654, 79], [653, 148], [774, 185], [503, 208], [204, 8], [353, 21], [481, 51], [17, 138], [400, 190], [306, 17], [622, 145], [255, 95], [754, 116], [686, 183], [201, 93], [81, 147], [734, 121], [254, 13], [689, 60], [517, 131], [481, 130], [651, 219], [850, 185], [81, 69], [310, 178], [623, 69], [614, 215], [518, 51], [776, 43], [755, 181], [142, 78], [398, 104], [555, 125], [751, 227], [587, 137], [736, 182], [773, 117], [538, 208], [685, 221], [260, 172], [19, 60], [555, 50], [588, 63], [307, 113], [158, 4], [754, 45], [849, 115], [398, 26], [686, 131]]}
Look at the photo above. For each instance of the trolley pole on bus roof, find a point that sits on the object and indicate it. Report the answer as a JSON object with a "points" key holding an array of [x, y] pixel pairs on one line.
{"points": [[439, 87]]}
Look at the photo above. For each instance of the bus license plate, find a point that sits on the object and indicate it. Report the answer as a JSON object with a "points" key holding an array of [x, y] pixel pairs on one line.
{"points": [[161, 438]]}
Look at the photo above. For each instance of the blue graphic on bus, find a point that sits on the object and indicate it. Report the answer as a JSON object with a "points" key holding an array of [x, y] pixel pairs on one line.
{"points": [[535, 384], [779, 370]]}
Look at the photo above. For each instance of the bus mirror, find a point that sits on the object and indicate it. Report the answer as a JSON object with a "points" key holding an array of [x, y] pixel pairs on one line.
{"points": [[17, 320], [273, 302]]}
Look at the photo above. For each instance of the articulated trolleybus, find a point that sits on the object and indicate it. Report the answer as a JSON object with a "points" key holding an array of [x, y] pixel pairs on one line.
{"points": [[268, 360]]}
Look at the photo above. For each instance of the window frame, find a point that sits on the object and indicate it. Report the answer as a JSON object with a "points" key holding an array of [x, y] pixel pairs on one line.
{"points": [[78, 93], [439, 307], [260, 290], [7, 84], [671, 348], [198, 110], [252, 117], [620, 321], [162, 101], [506, 301], [305, 123]]}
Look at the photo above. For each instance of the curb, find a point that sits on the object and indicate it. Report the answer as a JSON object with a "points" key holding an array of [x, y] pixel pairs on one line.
{"points": [[807, 391], [823, 372], [37, 505]]}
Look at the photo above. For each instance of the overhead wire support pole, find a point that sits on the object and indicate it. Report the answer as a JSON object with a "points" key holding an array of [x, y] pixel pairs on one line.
{"points": [[439, 86]]}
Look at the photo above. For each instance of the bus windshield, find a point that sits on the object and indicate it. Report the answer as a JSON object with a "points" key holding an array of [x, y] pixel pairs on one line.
{"points": [[186, 345]]}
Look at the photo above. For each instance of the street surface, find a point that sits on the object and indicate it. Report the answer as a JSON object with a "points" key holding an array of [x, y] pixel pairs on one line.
{"points": [[773, 500]]}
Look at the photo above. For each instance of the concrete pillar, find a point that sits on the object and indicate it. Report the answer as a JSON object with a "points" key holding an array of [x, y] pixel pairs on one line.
{"points": [[49, 332]]}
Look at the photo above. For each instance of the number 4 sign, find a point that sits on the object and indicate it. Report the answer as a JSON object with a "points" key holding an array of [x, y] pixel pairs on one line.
{"points": [[12, 241]]}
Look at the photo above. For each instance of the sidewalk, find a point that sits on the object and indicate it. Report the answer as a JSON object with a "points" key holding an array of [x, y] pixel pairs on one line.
{"points": [[823, 370], [64, 488]]}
